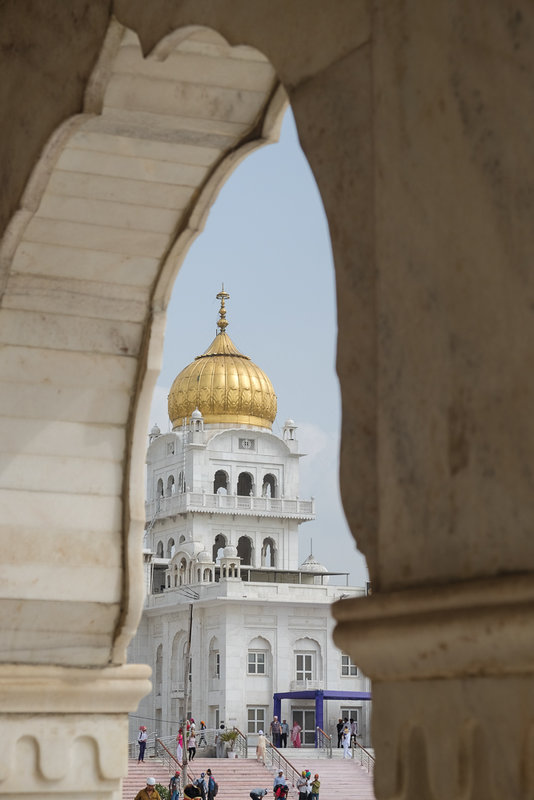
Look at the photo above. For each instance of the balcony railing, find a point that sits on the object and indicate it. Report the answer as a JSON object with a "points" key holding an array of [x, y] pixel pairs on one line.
{"points": [[230, 504], [297, 686]]}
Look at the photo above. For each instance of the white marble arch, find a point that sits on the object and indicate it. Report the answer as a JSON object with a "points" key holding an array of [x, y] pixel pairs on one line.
{"points": [[415, 120]]}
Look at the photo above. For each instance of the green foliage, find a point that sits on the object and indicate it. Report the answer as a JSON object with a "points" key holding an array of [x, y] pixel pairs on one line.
{"points": [[163, 792], [229, 736]]}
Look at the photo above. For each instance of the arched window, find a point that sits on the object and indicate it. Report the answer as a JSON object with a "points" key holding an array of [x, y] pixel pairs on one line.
{"points": [[207, 574], [259, 657], [170, 548], [308, 660], [159, 668], [220, 482], [244, 484], [170, 485], [183, 569], [181, 539], [159, 550], [181, 482], [159, 488], [218, 546], [176, 666], [214, 659], [268, 553], [244, 549], [268, 488]]}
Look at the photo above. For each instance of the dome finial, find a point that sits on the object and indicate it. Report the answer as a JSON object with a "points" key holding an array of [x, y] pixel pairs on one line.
{"points": [[222, 324]]}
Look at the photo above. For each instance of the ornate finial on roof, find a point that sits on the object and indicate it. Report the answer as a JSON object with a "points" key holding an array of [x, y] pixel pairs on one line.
{"points": [[222, 324]]}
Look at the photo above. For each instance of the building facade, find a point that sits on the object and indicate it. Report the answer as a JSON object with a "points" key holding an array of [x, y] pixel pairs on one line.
{"points": [[223, 518]]}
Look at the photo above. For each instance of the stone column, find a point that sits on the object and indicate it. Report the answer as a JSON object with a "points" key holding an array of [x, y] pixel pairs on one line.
{"points": [[438, 396]]}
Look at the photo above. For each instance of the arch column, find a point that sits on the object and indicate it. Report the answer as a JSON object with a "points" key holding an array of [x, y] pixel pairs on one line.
{"points": [[436, 333]]}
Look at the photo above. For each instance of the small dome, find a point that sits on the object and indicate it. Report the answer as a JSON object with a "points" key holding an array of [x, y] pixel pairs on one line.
{"points": [[204, 557], [230, 551], [196, 414], [289, 423], [192, 548], [312, 565], [155, 430]]}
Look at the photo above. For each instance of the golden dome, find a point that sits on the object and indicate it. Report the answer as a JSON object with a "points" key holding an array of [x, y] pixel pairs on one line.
{"points": [[225, 385]]}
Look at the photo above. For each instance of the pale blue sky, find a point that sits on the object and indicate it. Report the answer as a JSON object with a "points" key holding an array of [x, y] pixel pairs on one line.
{"points": [[267, 239]]}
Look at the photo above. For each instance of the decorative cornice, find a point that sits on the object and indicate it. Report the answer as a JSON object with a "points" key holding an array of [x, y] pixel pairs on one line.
{"points": [[40, 689], [477, 628]]}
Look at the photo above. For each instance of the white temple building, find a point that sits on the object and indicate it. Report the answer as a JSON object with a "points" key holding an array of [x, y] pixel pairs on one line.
{"points": [[223, 516]]}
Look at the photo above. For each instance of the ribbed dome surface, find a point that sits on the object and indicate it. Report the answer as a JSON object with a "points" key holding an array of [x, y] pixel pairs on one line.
{"points": [[226, 386]]}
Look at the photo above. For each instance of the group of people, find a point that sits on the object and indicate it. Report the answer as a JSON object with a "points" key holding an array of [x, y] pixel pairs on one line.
{"points": [[205, 788], [347, 731], [280, 732], [189, 739], [307, 788]]}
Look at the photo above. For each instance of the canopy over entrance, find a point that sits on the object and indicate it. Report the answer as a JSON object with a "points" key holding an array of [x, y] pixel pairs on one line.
{"points": [[319, 695]]}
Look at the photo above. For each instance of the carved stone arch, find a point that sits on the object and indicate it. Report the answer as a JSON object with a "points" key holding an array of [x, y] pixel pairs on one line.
{"points": [[221, 482], [171, 488], [245, 484], [159, 549], [245, 549], [219, 544], [269, 554], [269, 485]]}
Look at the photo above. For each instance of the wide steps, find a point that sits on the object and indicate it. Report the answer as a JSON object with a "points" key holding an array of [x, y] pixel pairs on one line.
{"points": [[343, 779], [138, 773], [235, 776]]}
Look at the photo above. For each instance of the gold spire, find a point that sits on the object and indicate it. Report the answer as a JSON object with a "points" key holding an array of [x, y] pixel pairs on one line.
{"points": [[224, 384], [222, 323]]}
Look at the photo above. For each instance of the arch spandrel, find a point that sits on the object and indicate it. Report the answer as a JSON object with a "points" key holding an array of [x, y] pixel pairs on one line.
{"points": [[116, 201]]}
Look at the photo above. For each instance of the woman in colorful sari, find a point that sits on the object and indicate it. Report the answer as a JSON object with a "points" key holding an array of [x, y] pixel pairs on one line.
{"points": [[295, 734]]}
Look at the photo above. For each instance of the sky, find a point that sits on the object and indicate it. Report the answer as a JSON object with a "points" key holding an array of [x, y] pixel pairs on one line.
{"points": [[267, 240]]}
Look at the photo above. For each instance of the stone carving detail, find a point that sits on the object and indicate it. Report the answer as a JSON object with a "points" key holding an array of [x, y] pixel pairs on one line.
{"points": [[63, 753], [446, 740]]}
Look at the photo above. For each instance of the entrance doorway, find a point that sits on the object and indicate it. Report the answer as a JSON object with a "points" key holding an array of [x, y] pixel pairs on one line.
{"points": [[306, 719]]}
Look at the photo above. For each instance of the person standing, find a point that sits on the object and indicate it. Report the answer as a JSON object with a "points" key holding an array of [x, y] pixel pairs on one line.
{"points": [[295, 734], [275, 731], [260, 748], [353, 731], [180, 746], [201, 783], [141, 741], [212, 785], [149, 792], [220, 744], [284, 733], [174, 786], [192, 745], [316, 783], [339, 728], [279, 781], [302, 786], [202, 739], [346, 742]]}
